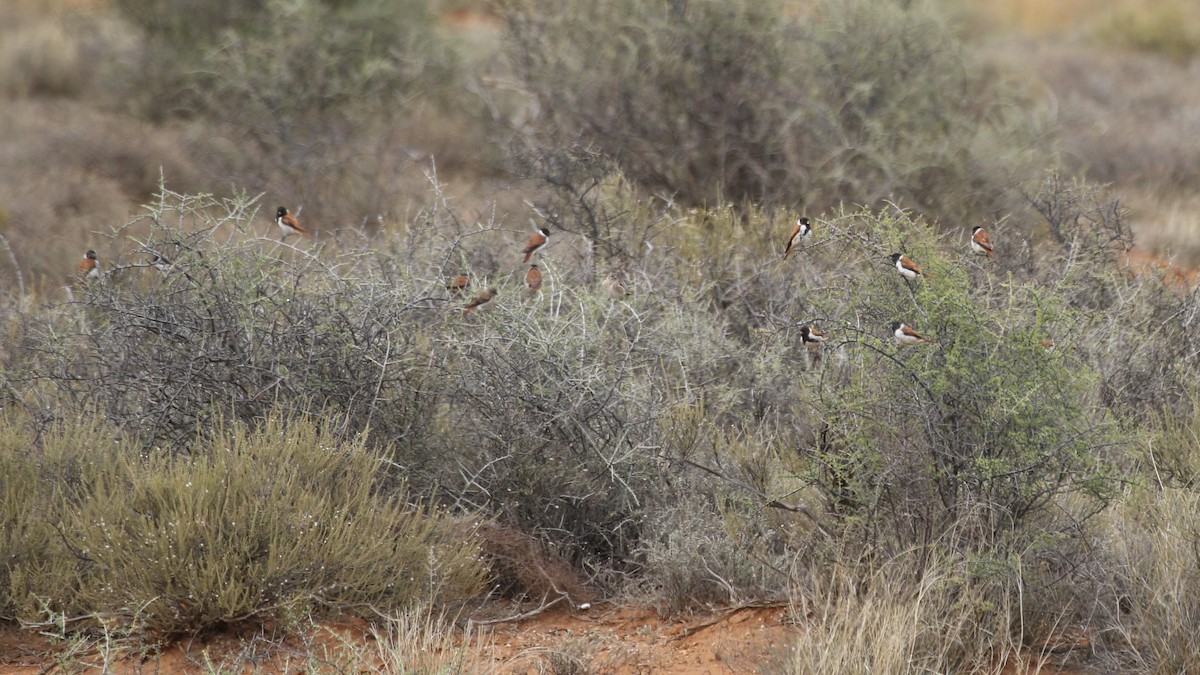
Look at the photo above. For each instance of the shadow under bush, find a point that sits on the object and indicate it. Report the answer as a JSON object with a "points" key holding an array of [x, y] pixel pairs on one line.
{"points": [[698, 554]]}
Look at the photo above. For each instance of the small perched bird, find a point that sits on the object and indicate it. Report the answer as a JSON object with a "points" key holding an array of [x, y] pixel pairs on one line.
{"points": [[458, 284], [906, 336], [1048, 345], [161, 263], [615, 286], [980, 244], [483, 298], [533, 279], [799, 234], [288, 223], [812, 336], [89, 267], [536, 242], [908, 269]]}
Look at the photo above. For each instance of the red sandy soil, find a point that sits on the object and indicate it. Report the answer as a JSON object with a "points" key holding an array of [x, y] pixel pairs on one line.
{"points": [[634, 640], [603, 639], [1176, 277], [618, 641]]}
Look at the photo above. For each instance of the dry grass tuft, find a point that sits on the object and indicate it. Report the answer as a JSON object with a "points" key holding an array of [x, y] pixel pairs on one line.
{"points": [[909, 617], [1170, 28], [1155, 544], [424, 640]]}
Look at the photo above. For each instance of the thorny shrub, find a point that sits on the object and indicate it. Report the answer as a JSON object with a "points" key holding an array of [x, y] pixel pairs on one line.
{"points": [[602, 426], [230, 330]]}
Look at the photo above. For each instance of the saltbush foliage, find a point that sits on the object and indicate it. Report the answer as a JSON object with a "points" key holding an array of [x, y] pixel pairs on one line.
{"points": [[277, 522]]}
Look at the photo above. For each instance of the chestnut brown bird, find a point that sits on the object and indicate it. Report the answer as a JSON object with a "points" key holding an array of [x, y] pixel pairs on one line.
{"points": [[288, 223], [812, 336], [980, 243], [536, 242], [533, 279], [906, 336], [799, 233], [483, 298], [907, 268], [89, 267], [458, 284], [614, 286]]}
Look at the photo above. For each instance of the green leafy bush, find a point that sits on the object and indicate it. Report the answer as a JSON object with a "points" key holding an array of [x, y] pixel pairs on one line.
{"points": [[964, 442]]}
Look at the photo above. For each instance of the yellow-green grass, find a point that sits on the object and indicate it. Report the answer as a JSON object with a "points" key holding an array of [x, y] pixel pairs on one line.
{"points": [[1169, 28]]}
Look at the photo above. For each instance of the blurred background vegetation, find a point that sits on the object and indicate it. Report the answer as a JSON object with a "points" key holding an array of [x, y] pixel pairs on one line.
{"points": [[340, 108], [680, 445]]}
